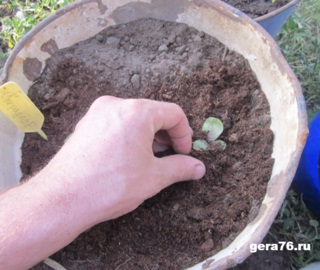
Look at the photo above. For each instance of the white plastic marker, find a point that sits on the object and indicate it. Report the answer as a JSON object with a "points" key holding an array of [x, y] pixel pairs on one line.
{"points": [[17, 106]]}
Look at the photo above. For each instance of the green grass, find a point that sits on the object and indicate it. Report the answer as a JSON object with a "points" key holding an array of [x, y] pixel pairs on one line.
{"points": [[18, 17], [300, 43], [26, 15], [296, 224]]}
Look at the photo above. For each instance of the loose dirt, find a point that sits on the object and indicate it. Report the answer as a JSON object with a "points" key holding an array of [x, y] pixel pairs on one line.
{"points": [[256, 8]]}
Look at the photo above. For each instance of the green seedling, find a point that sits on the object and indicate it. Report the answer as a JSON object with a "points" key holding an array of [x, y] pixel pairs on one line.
{"points": [[200, 145], [213, 127]]}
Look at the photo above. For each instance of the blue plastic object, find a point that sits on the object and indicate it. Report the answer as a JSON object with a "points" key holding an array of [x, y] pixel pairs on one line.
{"points": [[306, 180], [274, 21]]}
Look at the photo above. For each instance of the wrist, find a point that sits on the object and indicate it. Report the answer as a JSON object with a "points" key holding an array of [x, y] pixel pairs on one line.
{"points": [[40, 220], [60, 196]]}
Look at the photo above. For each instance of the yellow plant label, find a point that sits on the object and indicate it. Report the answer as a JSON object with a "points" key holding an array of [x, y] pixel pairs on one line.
{"points": [[18, 107]]}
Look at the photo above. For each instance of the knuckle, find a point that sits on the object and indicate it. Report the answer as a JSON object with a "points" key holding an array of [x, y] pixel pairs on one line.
{"points": [[136, 110], [181, 169], [182, 172], [102, 101], [178, 109]]}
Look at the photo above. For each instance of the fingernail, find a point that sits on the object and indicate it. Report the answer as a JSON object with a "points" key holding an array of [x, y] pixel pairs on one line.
{"points": [[199, 171]]}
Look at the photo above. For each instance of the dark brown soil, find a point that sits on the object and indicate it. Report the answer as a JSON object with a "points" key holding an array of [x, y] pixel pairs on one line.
{"points": [[256, 8], [189, 221]]}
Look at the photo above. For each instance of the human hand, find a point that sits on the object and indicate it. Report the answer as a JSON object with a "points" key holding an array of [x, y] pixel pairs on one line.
{"points": [[105, 169], [108, 168]]}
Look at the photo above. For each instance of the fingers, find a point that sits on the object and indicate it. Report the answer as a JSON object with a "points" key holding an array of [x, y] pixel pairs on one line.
{"points": [[177, 168], [171, 118], [164, 116]]}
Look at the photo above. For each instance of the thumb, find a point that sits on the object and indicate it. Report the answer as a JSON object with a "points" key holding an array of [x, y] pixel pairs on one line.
{"points": [[178, 168]]}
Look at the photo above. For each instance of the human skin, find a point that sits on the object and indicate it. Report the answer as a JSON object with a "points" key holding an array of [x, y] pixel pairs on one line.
{"points": [[106, 169]]}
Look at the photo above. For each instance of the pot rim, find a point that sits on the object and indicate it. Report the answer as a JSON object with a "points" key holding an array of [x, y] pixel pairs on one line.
{"points": [[71, 6], [277, 11], [34, 31]]}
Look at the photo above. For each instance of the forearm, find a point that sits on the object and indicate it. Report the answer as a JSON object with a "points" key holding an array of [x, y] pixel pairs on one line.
{"points": [[36, 219]]}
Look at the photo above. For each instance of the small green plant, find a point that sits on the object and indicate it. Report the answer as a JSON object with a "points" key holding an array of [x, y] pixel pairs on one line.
{"points": [[213, 127]]}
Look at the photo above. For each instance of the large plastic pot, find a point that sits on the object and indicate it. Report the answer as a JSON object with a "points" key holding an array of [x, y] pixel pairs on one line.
{"points": [[84, 19], [306, 180], [274, 20]]}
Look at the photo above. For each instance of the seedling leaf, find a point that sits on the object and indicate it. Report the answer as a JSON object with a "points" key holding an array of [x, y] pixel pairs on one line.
{"points": [[221, 145], [200, 145], [214, 127]]}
